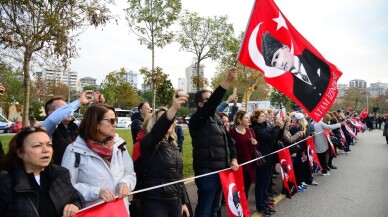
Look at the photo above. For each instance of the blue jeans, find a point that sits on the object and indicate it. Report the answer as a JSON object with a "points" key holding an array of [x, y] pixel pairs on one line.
{"points": [[209, 194], [160, 208], [262, 182]]}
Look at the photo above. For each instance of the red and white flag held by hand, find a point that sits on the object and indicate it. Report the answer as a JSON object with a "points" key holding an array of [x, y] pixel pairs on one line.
{"points": [[110, 209], [364, 113], [332, 148], [315, 166], [288, 175], [235, 198], [289, 62]]}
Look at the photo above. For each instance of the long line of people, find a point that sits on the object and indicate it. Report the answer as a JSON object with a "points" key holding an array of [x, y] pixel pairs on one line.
{"points": [[97, 167]]}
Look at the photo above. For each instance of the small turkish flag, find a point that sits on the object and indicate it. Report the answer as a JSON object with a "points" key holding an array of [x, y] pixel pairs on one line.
{"points": [[332, 148], [288, 175], [315, 166], [364, 113], [289, 62], [235, 198]]}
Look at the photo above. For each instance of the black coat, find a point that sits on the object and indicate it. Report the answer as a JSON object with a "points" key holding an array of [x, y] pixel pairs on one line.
{"points": [[266, 138], [17, 197], [164, 166], [62, 137], [137, 123], [213, 147]]}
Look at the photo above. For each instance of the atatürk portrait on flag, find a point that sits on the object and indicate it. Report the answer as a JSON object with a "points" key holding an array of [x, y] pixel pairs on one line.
{"points": [[311, 75]]}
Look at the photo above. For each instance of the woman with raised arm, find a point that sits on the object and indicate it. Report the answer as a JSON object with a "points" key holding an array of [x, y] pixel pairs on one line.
{"points": [[163, 164]]}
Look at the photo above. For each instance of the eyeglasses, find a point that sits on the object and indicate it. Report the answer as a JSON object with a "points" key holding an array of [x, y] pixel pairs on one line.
{"points": [[111, 120]]}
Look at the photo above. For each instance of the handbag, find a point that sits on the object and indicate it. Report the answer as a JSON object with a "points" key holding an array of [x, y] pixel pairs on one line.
{"points": [[257, 154]]}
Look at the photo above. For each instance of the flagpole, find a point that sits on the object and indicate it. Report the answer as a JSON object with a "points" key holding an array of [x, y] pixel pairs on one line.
{"points": [[245, 35]]}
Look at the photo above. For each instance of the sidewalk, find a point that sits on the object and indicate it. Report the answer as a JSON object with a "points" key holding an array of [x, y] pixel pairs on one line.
{"points": [[192, 191]]}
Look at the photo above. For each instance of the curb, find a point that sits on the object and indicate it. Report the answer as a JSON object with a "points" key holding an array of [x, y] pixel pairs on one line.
{"points": [[278, 198]]}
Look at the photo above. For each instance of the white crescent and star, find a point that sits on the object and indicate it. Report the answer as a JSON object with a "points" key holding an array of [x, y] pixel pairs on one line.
{"points": [[232, 207]]}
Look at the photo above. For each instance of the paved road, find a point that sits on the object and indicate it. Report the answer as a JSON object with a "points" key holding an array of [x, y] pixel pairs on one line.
{"points": [[356, 188]]}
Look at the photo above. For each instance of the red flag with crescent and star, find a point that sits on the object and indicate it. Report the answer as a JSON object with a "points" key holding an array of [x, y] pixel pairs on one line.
{"points": [[315, 166], [233, 188], [109, 209], [289, 62], [328, 136], [288, 175], [364, 113]]}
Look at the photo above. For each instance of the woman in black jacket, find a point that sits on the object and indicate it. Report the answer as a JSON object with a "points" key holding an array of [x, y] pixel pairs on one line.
{"points": [[266, 137], [32, 186], [164, 165]]}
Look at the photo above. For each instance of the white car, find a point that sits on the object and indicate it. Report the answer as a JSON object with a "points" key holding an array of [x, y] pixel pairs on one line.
{"points": [[124, 123], [4, 124]]}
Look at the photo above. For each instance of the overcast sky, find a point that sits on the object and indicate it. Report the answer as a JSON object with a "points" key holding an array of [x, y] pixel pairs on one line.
{"points": [[352, 34]]}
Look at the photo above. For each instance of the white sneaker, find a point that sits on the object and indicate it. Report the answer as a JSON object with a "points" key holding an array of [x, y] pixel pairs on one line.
{"points": [[326, 174], [304, 183]]}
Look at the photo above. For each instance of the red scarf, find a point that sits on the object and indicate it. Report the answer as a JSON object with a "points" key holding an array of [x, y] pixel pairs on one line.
{"points": [[105, 149]]}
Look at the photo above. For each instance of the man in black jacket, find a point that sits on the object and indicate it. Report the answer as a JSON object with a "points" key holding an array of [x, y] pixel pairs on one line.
{"points": [[138, 118], [213, 148]]}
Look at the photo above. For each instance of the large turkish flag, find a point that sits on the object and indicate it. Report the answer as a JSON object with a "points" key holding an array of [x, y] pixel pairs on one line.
{"points": [[307, 78]]}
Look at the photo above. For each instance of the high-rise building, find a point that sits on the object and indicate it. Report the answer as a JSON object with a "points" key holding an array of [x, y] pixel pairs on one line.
{"points": [[69, 78], [357, 83], [341, 89], [132, 77], [87, 81], [377, 88], [191, 72]]}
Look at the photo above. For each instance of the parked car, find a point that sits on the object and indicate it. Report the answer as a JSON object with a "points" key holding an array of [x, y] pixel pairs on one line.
{"points": [[5, 124], [16, 127], [124, 123]]}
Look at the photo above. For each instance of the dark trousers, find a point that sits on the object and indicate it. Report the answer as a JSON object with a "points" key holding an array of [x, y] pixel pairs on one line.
{"points": [[386, 138], [209, 194], [247, 182], [161, 208], [261, 185], [323, 158]]}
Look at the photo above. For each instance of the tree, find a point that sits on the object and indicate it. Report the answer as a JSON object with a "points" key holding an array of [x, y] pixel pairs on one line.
{"points": [[11, 79], [247, 79], [149, 20], [165, 91], [118, 92], [280, 100], [45, 29], [204, 37], [355, 98]]}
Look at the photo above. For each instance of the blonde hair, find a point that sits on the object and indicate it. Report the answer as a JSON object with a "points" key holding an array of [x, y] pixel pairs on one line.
{"points": [[302, 123], [152, 120]]}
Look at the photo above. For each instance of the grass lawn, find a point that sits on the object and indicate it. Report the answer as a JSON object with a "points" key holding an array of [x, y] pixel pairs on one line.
{"points": [[127, 136]]}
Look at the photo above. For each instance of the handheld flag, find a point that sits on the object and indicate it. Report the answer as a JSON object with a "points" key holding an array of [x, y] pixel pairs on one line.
{"points": [[364, 113], [289, 62], [110, 209], [288, 175], [315, 166], [233, 187], [332, 148]]}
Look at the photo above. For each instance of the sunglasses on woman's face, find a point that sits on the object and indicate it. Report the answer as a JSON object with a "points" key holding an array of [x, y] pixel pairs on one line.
{"points": [[111, 120]]}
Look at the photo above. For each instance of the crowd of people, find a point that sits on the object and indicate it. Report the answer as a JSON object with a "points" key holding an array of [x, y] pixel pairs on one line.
{"points": [[62, 167]]}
